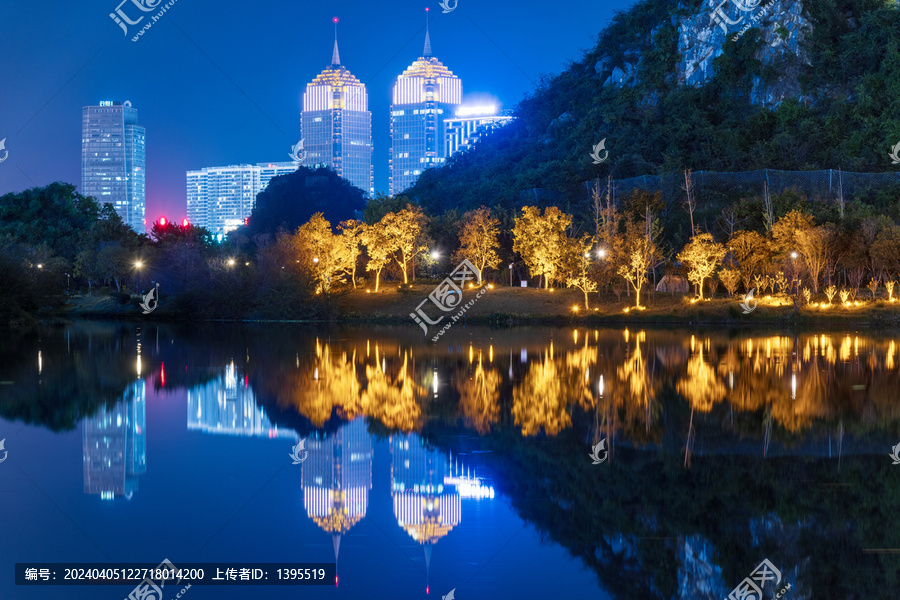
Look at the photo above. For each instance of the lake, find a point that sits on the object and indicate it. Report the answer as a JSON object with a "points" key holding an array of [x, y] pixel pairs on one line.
{"points": [[533, 462]]}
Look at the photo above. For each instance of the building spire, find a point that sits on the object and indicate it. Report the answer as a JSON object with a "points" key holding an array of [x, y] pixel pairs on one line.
{"points": [[427, 37], [335, 56]]}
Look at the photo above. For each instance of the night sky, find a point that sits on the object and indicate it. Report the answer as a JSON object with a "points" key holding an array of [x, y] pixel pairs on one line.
{"points": [[220, 83]]}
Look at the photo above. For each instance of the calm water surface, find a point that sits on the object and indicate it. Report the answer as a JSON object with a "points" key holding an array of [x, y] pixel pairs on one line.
{"points": [[464, 465]]}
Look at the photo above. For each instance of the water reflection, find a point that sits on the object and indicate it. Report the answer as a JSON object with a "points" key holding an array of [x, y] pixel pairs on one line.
{"points": [[115, 446]]}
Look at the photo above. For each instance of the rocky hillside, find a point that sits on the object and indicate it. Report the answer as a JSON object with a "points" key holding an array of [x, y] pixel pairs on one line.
{"points": [[670, 85]]}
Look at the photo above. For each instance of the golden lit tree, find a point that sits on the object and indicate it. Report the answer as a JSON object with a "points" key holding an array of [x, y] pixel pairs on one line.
{"points": [[378, 247], [317, 249], [638, 253], [540, 239], [786, 229], [751, 251], [702, 256], [580, 254], [347, 247], [404, 231], [478, 239], [816, 246], [393, 399]]}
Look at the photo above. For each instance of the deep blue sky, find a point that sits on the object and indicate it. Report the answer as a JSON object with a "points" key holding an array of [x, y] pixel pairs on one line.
{"points": [[219, 83]]}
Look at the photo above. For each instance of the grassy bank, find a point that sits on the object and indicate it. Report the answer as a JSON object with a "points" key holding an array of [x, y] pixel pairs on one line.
{"points": [[512, 306]]}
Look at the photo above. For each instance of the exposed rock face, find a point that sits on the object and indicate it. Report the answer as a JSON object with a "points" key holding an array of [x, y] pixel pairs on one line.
{"points": [[783, 28], [702, 36]]}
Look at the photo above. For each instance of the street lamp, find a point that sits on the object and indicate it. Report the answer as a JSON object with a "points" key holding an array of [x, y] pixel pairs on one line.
{"points": [[230, 262], [138, 264], [40, 266], [67, 284], [794, 255], [316, 260], [601, 253], [510, 274]]}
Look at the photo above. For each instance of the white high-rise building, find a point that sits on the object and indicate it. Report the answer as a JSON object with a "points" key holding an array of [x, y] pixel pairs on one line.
{"points": [[222, 198], [424, 95], [113, 159]]}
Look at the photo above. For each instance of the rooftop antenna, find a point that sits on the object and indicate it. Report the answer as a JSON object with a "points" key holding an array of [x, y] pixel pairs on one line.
{"points": [[427, 37], [335, 56]]}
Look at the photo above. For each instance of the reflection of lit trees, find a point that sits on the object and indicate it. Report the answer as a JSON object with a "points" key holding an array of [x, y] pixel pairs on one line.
{"points": [[636, 387], [393, 399], [701, 386], [479, 398], [330, 383], [543, 398]]}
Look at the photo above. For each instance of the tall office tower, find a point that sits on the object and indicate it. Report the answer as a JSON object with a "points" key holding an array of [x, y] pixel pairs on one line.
{"points": [[113, 158], [425, 94], [336, 124], [222, 198], [468, 125]]}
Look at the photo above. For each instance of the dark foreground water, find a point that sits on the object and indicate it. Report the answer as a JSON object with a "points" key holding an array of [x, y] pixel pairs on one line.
{"points": [[464, 466]]}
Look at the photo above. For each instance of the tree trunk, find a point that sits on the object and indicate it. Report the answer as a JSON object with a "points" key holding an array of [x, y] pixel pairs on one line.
{"points": [[377, 278]]}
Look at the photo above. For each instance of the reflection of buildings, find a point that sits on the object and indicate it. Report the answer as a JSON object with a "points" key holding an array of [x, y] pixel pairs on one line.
{"points": [[336, 479], [427, 492], [115, 446], [227, 405]]}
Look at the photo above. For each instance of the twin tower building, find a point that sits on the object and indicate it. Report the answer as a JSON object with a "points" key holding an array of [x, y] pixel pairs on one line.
{"points": [[336, 123]]}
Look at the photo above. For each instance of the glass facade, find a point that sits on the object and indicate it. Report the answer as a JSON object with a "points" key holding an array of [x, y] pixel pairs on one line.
{"points": [[113, 156], [336, 126], [424, 96]]}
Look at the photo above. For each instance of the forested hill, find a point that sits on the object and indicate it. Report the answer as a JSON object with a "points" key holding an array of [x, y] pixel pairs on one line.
{"points": [[813, 85]]}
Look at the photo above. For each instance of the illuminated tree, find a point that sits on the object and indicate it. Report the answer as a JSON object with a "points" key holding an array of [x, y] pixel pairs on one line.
{"points": [[580, 252], [541, 240], [638, 253], [731, 279], [348, 247], [404, 230], [702, 256], [751, 251], [378, 247], [816, 246], [317, 248], [478, 239]]}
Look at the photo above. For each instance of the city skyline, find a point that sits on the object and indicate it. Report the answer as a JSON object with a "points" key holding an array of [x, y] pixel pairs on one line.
{"points": [[208, 101]]}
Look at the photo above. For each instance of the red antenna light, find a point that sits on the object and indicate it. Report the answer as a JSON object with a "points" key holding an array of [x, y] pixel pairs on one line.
{"points": [[184, 222], [427, 9], [336, 19], [162, 221]]}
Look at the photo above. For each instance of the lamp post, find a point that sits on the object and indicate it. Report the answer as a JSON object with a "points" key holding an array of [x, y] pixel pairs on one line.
{"points": [[67, 284], [510, 274]]}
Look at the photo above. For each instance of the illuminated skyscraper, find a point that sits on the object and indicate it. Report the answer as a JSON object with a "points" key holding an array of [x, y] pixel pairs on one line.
{"points": [[337, 126], [112, 159], [424, 95]]}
